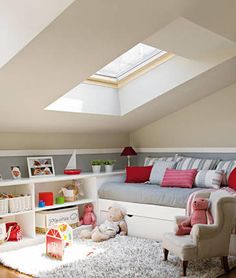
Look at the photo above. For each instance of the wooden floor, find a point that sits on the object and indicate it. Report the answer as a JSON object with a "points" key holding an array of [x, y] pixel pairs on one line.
{"points": [[9, 273]]}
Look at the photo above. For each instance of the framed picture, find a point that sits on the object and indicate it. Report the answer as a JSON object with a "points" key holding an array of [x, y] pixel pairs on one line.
{"points": [[40, 166], [15, 172]]}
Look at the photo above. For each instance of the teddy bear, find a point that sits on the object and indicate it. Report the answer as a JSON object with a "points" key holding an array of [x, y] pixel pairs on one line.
{"points": [[89, 217], [200, 215], [113, 225]]}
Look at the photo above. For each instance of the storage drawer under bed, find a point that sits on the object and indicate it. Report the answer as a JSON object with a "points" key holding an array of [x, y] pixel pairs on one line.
{"points": [[147, 221]]}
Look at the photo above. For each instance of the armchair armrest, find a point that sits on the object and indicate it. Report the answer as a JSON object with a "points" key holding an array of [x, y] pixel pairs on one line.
{"points": [[203, 231], [179, 219]]}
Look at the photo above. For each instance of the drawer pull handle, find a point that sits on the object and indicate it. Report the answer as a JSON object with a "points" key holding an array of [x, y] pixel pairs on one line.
{"points": [[129, 215]]}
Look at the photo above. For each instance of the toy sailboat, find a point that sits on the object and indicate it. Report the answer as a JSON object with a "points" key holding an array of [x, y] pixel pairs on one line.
{"points": [[71, 166]]}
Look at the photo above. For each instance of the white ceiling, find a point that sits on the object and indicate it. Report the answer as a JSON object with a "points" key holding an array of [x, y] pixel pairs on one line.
{"points": [[23, 20], [91, 33]]}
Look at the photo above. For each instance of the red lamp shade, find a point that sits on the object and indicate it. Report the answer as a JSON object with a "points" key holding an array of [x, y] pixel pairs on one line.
{"points": [[128, 151]]}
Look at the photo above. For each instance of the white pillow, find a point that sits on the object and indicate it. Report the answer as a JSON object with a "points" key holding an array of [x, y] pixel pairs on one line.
{"points": [[159, 169], [209, 178]]}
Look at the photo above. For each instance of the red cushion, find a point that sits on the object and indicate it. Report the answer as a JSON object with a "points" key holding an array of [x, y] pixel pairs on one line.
{"points": [[232, 179], [179, 178], [138, 174]]}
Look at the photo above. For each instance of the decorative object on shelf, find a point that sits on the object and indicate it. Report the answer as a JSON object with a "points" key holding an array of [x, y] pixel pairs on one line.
{"points": [[128, 151], [57, 238], [15, 172], [109, 164], [41, 204], [60, 200], [14, 232], [71, 168], [114, 224], [40, 166], [45, 220], [47, 198], [96, 165], [72, 191], [89, 217]]}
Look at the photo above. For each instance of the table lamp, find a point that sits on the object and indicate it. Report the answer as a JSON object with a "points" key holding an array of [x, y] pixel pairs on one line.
{"points": [[128, 151]]}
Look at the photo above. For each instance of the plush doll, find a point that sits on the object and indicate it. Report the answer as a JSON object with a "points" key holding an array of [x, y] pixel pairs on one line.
{"points": [[113, 225], [89, 217], [200, 215]]}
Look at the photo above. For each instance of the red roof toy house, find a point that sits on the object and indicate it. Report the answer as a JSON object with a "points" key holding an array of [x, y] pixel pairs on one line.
{"points": [[57, 238]]}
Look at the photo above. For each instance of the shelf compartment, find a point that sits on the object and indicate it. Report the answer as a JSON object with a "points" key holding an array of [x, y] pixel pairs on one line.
{"points": [[66, 204]]}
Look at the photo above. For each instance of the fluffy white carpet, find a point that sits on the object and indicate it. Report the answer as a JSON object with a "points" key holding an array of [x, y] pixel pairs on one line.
{"points": [[123, 257]]}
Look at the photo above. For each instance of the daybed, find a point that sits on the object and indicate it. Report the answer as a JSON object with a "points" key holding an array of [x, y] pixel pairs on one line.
{"points": [[150, 208]]}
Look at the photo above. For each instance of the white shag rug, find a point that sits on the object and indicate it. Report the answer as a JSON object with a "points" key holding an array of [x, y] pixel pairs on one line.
{"points": [[120, 257]]}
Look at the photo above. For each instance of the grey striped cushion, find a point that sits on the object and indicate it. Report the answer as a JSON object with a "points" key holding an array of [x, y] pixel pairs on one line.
{"points": [[197, 163], [227, 167], [209, 178], [149, 161], [159, 169]]}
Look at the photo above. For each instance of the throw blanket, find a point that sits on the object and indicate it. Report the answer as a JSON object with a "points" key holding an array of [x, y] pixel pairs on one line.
{"points": [[207, 192]]}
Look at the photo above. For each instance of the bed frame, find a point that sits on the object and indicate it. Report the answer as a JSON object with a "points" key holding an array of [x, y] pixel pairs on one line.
{"points": [[147, 221]]}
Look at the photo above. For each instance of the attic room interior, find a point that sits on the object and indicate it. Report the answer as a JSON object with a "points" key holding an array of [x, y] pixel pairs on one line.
{"points": [[118, 138]]}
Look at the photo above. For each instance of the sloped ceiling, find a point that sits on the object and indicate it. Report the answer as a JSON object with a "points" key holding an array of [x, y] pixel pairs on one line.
{"points": [[87, 36]]}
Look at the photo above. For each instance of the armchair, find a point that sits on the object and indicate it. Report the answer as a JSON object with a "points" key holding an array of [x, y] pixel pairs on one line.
{"points": [[206, 241]]}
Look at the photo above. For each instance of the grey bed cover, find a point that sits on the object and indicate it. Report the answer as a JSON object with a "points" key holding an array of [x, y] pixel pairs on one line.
{"points": [[146, 194]]}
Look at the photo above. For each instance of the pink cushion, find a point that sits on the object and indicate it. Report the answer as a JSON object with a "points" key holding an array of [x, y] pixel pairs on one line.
{"points": [[232, 179], [179, 178]]}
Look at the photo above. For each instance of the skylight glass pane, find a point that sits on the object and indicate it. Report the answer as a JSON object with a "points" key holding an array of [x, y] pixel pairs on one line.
{"points": [[129, 60]]}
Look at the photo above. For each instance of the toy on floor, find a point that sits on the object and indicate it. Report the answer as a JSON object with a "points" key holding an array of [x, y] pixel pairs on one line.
{"points": [[200, 215], [57, 238], [89, 217], [113, 225]]}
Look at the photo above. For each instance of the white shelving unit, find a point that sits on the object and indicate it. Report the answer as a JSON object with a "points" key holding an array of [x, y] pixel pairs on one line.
{"points": [[90, 183]]}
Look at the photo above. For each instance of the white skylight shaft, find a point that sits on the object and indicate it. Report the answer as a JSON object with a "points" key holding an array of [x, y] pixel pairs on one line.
{"points": [[131, 59]]}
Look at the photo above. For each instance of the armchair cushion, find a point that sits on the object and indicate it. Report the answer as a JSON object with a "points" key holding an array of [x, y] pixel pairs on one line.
{"points": [[183, 246]]}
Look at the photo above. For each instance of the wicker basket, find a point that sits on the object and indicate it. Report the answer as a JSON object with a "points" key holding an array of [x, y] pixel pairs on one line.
{"points": [[3, 206], [18, 204]]}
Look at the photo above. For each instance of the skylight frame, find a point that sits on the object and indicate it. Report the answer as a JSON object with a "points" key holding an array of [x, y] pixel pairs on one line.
{"points": [[129, 65], [150, 64]]}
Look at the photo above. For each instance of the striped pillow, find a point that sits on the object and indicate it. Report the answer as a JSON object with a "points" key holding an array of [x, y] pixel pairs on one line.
{"points": [[209, 178], [197, 163], [159, 169], [227, 167], [149, 161], [179, 178]]}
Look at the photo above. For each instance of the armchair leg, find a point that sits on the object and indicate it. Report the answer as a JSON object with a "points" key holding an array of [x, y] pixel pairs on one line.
{"points": [[225, 265], [166, 252], [185, 265]]}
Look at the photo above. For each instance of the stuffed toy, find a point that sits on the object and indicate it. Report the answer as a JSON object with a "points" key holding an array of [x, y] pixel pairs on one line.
{"points": [[113, 225], [200, 215], [89, 217]]}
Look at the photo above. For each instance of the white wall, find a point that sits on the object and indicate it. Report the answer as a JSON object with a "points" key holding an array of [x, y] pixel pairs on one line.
{"points": [[209, 122], [160, 80], [87, 98]]}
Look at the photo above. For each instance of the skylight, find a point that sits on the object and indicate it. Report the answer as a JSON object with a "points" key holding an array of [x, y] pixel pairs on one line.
{"points": [[129, 61]]}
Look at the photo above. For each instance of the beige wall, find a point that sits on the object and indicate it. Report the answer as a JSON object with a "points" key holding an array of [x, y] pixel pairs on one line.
{"points": [[17, 141], [210, 122]]}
